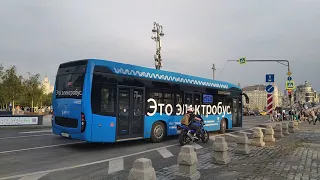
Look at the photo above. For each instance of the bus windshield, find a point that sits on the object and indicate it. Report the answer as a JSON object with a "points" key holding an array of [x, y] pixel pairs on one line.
{"points": [[69, 81]]}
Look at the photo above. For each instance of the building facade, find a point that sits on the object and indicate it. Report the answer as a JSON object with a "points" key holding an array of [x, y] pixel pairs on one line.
{"points": [[258, 97], [48, 88], [305, 94]]}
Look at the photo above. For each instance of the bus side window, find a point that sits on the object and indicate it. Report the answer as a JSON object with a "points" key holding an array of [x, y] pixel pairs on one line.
{"points": [[157, 96], [103, 100], [103, 95], [197, 102], [188, 99], [178, 100]]}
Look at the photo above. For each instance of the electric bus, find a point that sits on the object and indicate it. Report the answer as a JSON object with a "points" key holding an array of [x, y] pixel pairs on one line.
{"points": [[104, 101]]}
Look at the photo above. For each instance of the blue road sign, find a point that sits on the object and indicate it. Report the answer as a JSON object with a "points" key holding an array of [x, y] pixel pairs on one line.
{"points": [[269, 77], [289, 78], [269, 89]]}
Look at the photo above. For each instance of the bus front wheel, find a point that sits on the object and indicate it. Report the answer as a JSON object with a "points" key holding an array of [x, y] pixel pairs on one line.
{"points": [[158, 132], [223, 126]]}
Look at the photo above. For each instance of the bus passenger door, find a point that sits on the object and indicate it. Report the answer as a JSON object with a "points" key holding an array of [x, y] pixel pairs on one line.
{"points": [[130, 113], [236, 113]]}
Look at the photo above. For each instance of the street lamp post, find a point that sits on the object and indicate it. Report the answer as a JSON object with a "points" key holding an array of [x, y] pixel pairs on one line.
{"points": [[213, 70], [158, 30]]}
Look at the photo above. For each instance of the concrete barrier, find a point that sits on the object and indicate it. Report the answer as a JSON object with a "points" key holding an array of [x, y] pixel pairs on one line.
{"points": [[242, 144], [296, 125], [285, 129], [291, 127], [278, 131], [142, 170], [220, 151], [187, 161], [269, 137], [258, 138]]}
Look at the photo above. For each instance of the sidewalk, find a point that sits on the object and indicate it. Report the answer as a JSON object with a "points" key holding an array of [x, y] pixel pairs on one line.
{"points": [[296, 156]]}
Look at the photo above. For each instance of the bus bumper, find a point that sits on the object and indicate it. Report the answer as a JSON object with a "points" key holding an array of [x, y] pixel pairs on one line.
{"points": [[65, 132]]}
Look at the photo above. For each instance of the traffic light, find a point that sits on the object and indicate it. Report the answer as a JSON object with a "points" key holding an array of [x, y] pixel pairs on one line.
{"points": [[290, 94]]}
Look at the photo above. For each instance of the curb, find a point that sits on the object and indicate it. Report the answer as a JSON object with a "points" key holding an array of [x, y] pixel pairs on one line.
{"points": [[25, 127]]}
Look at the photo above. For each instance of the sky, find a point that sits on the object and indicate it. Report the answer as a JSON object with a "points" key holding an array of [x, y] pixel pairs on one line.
{"points": [[38, 35]]}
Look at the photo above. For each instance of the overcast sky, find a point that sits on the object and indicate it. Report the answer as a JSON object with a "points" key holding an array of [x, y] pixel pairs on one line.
{"points": [[38, 35]]}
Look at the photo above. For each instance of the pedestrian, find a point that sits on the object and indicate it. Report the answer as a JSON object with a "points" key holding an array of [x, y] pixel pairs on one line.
{"points": [[275, 115], [312, 116], [318, 117]]}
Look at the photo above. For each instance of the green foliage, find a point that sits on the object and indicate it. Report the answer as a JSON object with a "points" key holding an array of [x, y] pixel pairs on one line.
{"points": [[23, 91]]}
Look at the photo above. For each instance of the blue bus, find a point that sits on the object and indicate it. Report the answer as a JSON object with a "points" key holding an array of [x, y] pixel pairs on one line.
{"points": [[104, 101]]}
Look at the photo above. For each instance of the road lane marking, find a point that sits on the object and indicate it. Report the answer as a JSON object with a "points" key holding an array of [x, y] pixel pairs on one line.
{"points": [[85, 164], [39, 147], [31, 132], [196, 146], [34, 177], [17, 137], [115, 165], [165, 153]]}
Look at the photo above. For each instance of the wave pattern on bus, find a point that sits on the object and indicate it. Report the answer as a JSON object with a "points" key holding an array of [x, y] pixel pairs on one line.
{"points": [[168, 78]]}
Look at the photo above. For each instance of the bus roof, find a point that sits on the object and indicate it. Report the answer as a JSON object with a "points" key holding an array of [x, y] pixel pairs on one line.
{"points": [[144, 72]]}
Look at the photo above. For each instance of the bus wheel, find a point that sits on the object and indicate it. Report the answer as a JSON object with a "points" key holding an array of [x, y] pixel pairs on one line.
{"points": [[223, 126], [158, 132]]}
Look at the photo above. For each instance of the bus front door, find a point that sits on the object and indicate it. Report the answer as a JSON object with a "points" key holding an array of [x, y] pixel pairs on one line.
{"points": [[130, 117], [236, 113]]}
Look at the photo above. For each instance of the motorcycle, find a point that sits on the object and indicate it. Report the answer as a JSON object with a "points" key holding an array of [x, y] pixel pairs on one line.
{"points": [[188, 135]]}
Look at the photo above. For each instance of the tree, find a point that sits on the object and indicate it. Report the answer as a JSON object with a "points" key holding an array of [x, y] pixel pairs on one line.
{"points": [[33, 90], [2, 101], [47, 100], [21, 91], [11, 85]]}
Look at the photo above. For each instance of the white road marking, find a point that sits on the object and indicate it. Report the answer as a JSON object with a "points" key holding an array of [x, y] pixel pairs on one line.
{"points": [[115, 165], [196, 146], [85, 164], [39, 147], [17, 137], [165, 153], [34, 177], [31, 132]]}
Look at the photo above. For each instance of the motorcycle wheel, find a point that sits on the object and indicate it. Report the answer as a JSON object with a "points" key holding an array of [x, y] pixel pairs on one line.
{"points": [[183, 138], [205, 137]]}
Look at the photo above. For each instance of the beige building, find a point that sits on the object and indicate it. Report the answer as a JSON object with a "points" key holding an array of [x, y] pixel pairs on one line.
{"points": [[306, 94], [258, 97], [48, 88]]}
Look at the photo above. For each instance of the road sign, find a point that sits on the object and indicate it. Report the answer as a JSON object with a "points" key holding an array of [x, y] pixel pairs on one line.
{"points": [[269, 103], [269, 89], [242, 60], [289, 73], [289, 78], [269, 77], [289, 85]]}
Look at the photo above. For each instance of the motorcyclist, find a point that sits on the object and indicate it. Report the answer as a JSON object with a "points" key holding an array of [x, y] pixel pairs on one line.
{"points": [[194, 121]]}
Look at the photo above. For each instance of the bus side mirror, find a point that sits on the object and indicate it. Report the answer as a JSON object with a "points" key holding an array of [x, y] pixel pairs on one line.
{"points": [[247, 98]]}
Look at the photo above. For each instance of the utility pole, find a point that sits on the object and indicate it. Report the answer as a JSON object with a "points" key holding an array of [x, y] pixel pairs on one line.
{"points": [[213, 70], [158, 30]]}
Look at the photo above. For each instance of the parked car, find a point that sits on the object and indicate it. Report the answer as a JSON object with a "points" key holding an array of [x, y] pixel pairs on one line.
{"points": [[263, 113]]}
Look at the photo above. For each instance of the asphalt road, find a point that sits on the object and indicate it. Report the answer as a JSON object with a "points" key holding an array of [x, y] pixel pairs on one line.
{"points": [[38, 154]]}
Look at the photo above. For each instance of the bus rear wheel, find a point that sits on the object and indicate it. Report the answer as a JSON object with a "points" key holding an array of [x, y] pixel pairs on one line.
{"points": [[158, 132], [223, 126]]}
